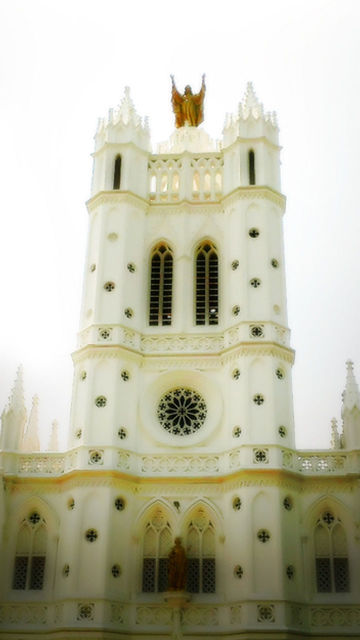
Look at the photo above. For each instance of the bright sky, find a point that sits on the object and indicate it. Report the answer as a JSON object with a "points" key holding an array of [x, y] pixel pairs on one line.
{"points": [[63, 64]]}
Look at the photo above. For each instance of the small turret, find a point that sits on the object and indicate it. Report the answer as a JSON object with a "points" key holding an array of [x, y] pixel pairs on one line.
{"points": [[122, 144], [31, 437], [251, 121], [350, 411], [14, 416], [250, 141]]}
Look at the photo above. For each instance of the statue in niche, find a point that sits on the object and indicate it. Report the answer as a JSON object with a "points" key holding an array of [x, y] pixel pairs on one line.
{"points": [[188, 107], [177, 567]]}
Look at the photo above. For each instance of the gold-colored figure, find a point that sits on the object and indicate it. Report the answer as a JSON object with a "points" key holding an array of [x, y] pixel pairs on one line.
{"points": [[177, 567], [188, 107]]}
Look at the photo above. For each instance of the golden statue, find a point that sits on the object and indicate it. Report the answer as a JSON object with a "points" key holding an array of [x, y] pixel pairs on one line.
{"points": [[177, 567], [189, 107]]}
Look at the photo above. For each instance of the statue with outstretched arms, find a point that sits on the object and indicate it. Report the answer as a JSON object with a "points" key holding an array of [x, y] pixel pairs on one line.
{"points": [[188, 107]]}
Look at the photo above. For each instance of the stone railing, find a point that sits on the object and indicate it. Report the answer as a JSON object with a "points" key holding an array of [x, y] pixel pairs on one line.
{"points": [[158, 616], [245, 457], [195, 178], [185, 343]]}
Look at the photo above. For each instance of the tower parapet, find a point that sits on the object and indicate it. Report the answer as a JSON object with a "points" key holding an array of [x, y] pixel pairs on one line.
{"points": [[251, 121]]}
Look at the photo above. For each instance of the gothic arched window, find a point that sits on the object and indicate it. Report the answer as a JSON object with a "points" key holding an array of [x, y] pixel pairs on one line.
{"points": [[331, 558], [30, 556], [117, 173], [200, 551], [156, 548], [251, 160], [161, 274], [207, 284]]}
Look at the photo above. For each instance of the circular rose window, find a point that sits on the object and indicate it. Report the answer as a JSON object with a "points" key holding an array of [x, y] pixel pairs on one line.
{"points": [[182, 411]]}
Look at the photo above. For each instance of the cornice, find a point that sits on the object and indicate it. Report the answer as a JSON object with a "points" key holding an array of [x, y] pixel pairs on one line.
{"points": [[188, 206], [174, 486], [180, 360], [115, 145], [117, 197], [255, 192], [252, 140]]}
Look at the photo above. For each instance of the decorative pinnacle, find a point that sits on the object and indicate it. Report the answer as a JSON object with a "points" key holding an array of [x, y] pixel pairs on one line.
{"points": [[250, 105], [250, 99], [335, 437], [54, 441], [31, 437], [351, 395], [16, 399]]}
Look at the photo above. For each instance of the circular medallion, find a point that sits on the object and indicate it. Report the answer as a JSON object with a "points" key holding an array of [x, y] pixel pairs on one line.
{"points": [[182, 411]]}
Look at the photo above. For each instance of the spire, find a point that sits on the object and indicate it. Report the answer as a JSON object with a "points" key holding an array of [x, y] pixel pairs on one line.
{"points": [[250, 104], [31, 437], [13, 417], [350, 411], [126, 111], [351, 395], [16, 399], [250, 121], [123, 124], [54, 440]]}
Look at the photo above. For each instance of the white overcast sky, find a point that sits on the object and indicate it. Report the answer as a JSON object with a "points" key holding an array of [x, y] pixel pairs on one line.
{"points": [[63, 64]]}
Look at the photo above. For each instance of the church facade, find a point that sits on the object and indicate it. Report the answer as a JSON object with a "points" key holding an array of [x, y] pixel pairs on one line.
{"points": [[182, 420]]}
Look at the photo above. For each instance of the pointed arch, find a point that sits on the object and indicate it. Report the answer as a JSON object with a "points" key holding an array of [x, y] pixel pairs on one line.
{"points": [[331, 554], [117, 172], [30, 552], [157, 542], [161, 278], [251, 166], [200, 544], [206, 284]]}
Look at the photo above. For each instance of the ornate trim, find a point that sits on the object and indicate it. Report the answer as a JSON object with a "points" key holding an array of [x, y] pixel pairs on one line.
{"points": [[116, 197]]}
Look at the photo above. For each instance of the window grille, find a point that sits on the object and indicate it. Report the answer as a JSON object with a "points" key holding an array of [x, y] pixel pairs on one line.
{"points": [[200, 544], [161, 286], [331, 561], [207, 285], [156, 548], [30, 558], [20, 572], [117, 173], [251, 158]]}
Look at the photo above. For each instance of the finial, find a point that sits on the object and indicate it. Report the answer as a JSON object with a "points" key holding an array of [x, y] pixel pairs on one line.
{"points": [[54, 440], [250, 106], [16, 399], [351, 395], [31, 437], [335, 438]]}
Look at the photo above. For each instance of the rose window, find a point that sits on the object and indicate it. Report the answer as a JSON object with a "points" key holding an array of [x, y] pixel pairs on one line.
{"points": [[182, 411]]}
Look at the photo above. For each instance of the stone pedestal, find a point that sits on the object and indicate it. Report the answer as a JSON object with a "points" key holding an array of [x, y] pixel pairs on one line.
{"points": [[177, 600]]}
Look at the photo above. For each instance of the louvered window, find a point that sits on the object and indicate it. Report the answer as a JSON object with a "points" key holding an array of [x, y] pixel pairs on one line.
{"points": [[207, 285], [161, 277]]}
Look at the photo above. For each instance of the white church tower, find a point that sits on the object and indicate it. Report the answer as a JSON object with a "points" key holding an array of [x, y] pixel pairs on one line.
{"points": [[182, 415]]}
